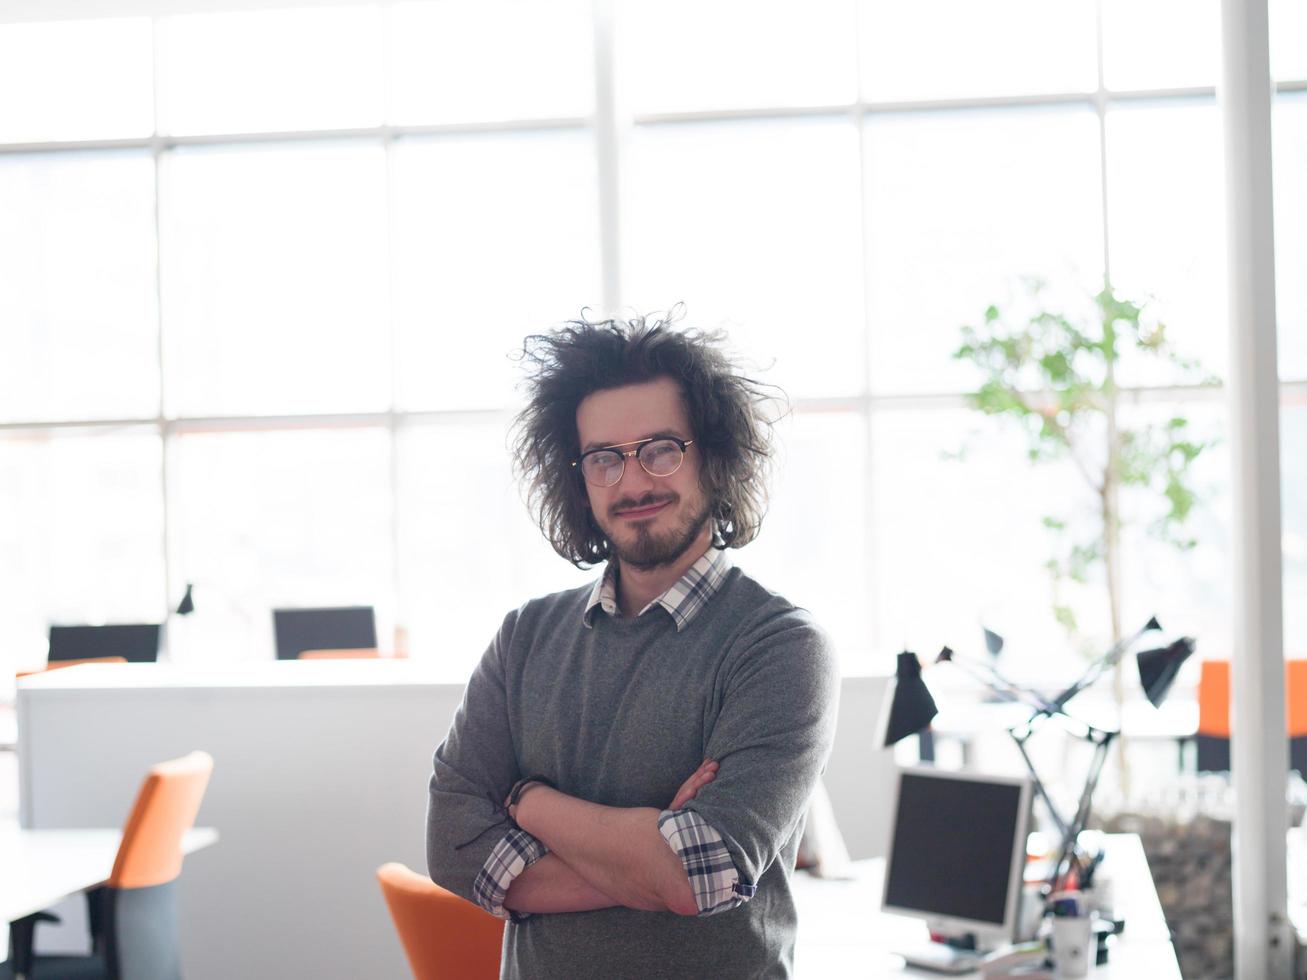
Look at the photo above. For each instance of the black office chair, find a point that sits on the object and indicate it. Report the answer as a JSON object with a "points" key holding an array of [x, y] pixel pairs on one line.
{"points": [[134, 642], [133, 917], [323, 628], [23, 965]]}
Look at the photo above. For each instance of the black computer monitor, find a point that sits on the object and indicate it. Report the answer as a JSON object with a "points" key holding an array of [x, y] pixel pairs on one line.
{"points": [[135, 642], [323, 628], [958, 851]]}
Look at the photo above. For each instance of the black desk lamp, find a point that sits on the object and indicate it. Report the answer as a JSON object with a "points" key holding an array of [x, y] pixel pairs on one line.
{"points": [[186, 607], [1157, 668], [912, 708], [993, 642]]}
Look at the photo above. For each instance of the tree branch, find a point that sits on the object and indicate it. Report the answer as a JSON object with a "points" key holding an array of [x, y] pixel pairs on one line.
{"points": [[1065, 435]]}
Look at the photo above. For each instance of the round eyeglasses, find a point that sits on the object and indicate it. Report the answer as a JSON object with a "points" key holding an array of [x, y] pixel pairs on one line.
{"points": [[657, 457]]}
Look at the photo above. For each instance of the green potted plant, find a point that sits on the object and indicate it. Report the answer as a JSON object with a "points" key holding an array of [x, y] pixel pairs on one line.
{"points": [[1053, 372]]}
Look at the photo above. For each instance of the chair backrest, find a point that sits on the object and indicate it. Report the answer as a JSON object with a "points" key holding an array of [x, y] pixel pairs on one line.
{"points": [[1214, 714], [61, 664], [138, 642], [323, 628], [444, 936], [1295, 683], [165, 808], [357, 653], [1214, 698]]}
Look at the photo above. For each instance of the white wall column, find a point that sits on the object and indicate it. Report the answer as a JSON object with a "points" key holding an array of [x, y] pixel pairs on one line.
{"points": [[1259, 745], [608, 132]]}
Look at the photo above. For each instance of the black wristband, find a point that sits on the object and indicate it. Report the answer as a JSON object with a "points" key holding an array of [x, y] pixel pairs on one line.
{"points": [[521, 784]]}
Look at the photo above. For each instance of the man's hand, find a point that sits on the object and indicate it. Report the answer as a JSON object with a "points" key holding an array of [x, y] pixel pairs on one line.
{"points": [[511, 807], [700, 778]]}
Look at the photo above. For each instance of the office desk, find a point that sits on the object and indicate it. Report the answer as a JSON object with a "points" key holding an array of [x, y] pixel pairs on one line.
{"points": [[42, 867], [843, 933]]}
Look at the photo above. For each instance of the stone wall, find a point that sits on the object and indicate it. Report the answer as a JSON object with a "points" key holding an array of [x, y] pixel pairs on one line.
{"points": [[1185, 830], [1190, 864]]}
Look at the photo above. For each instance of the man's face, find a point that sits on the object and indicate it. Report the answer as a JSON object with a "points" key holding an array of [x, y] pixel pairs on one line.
{"points": [[649, 520]]}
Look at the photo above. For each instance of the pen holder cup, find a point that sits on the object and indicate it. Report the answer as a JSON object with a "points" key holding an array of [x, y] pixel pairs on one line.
{"points": [[1072, 950]]}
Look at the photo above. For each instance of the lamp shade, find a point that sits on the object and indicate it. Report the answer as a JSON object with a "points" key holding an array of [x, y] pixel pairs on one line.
{"points": [[911, 706], [1157, 668], [993, 642]]}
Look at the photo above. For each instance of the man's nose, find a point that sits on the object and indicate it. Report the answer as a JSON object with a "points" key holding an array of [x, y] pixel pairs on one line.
{"points": [[634, 479]]}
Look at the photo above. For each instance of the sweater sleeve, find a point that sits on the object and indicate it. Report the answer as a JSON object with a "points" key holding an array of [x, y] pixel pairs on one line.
{"points": [[473, 770], [771, 740]]}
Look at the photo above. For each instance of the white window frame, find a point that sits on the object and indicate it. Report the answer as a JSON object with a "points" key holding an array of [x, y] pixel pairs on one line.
{"points": [[609, 127]]}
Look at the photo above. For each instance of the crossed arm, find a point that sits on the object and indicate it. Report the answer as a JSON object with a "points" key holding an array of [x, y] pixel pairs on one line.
{"points": [[601, 856]]}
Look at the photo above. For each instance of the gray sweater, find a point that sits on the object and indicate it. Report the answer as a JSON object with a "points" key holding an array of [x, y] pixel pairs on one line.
{"points": [[620, 714]]}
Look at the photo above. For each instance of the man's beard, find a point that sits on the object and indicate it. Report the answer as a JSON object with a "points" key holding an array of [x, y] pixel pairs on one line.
{"points": [[650, 549]]}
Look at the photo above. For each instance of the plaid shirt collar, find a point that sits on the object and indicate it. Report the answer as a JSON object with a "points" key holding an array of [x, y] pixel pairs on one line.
{"points": [[683, 600]]}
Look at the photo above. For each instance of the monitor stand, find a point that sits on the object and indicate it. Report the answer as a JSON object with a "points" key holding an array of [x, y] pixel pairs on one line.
{"points": [[945, 954]]}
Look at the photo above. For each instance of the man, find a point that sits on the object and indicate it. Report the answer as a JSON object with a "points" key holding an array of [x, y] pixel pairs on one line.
{"points": [[627, 776]]}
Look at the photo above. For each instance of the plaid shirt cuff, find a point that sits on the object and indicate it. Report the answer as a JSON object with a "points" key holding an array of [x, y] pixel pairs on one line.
{"points": [[713, 877], [516, 852]]}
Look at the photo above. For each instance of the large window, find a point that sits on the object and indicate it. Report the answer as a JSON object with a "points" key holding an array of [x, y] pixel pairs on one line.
{"points": [[256, 324]]}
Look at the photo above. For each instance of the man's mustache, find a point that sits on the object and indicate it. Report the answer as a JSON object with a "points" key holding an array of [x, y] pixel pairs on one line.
{"points": [[648, 500]]}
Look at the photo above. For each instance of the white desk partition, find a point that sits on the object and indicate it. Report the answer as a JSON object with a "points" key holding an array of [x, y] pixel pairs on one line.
{"points": [[320, 776], [859, 776]]}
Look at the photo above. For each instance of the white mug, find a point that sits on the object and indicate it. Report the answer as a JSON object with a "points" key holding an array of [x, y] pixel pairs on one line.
{"points": [[1071, 946]]}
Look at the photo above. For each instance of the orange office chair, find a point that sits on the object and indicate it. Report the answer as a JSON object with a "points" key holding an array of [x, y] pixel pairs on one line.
{"points": [[359, 653], [61, 664], [1295, 685], [444, 936], [1214, 715], [134, 915]]}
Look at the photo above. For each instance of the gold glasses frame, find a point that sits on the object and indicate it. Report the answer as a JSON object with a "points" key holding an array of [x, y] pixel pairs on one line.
{"points": [[624, 454]]}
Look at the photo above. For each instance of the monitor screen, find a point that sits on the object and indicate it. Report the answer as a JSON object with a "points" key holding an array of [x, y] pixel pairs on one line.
{"points": [[958, 847], [339, 628], [136, 643]]}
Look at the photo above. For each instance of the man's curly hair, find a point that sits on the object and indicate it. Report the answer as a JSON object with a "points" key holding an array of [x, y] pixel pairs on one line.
{"points": [[730, 416]]}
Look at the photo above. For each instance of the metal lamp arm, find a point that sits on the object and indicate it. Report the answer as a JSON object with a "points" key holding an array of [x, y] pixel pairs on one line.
{"points": [[1069, 830], [1100, 666], [1040, 791], [996, 682], [1072, 835]]}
